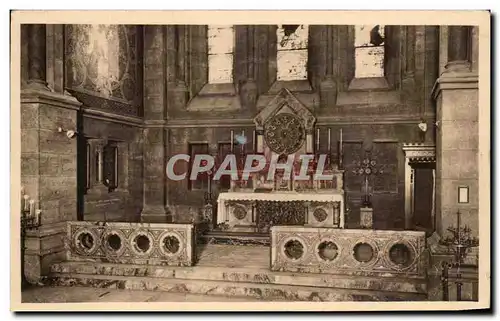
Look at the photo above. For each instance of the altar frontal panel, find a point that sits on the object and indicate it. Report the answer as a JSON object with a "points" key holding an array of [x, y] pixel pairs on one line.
{"points": [[348, 251], [131, 243]]}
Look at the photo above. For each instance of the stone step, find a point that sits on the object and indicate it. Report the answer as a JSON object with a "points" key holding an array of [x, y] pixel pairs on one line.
{"points": [[260, 291], [242, 275]]}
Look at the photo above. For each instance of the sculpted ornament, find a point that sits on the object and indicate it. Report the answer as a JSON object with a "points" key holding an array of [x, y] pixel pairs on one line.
{"points": [[284, 133]]}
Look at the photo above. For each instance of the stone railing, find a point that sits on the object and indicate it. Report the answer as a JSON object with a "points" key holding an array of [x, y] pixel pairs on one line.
{"points": [[131, 243], [348, 251]]}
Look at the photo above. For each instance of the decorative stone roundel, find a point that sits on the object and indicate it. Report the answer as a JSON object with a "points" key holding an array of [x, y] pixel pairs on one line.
{"points": [[114, 242], [400, 255], [294, 249], [171, 244], [363, 252], [85, 242], [239, 212], [141, 243], [328, 251], [320, 214], [284, 133]]}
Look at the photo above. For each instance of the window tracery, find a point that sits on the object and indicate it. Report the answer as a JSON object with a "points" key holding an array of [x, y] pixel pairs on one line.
{"points": [[369, 51], [292, 44], [220, 54]]}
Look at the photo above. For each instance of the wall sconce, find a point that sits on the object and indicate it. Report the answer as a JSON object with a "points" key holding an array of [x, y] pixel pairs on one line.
{"points": [[69, 133]]}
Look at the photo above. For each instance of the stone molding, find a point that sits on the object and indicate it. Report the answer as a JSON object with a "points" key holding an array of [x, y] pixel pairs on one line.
{"points": [[34, 96], [455, 81]]}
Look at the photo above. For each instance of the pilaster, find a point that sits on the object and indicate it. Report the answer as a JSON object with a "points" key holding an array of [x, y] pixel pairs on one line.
{"points": [[155, 140]]}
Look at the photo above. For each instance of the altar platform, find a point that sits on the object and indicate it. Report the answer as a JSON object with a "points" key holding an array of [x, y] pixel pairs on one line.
{"points": [[238, 272]]}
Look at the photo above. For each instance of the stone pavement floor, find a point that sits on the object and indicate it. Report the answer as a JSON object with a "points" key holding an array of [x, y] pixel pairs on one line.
{"points": [[76, 294]]}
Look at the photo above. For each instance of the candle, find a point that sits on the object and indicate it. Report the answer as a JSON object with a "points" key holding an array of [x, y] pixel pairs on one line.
{"points": [[26, 204], [341, 139], [317, 140], [32, 207], [242, 145], [37, 216], [209, 182], [232, 140], [329, 140], [254, 142]]}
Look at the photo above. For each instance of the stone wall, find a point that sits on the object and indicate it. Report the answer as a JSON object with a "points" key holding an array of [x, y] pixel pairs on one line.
{"points": [[378, 114]]}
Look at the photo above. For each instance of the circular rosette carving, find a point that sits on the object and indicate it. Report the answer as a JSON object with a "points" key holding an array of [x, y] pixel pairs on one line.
{"points": [[142, 243], [365, 253], [114, 242], [85, 241], [239, 212], [400, 255], [320, 214], [171, 244], [327, 251], [284, 133]]}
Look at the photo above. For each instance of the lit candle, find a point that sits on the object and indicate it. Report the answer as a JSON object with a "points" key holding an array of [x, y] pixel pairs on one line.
{"points": [[32, 207], [232, 140], [26, 203]]}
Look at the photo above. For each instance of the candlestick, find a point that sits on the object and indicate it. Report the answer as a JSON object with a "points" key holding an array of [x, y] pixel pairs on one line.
{"points": [[26, 204], [232, 140]]}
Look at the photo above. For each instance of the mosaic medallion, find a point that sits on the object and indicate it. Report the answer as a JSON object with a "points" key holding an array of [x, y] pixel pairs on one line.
{"points": [[400, 255], [114, 242], [284, 133], [171, 244], [363, 252], [294, 249], [85, 242], [328, 251], [320, 214], [239, 212]]}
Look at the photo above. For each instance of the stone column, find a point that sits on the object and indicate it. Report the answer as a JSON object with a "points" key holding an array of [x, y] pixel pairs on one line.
{"points": [[248, 94], [182, 70], [48, 156], [154, 202], [458, 48], [37, 56], [328, 87]]}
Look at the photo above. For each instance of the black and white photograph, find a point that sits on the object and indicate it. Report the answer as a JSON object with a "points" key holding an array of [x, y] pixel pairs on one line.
{"points": [[210, 159]]}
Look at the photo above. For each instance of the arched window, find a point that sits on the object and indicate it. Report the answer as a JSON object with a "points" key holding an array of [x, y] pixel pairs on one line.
{"points": [[369, 51], [220, 54], [292, 52]]}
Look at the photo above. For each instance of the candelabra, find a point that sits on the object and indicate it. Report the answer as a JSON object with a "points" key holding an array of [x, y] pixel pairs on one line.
{"points": [[460, 242], [367, 167], [30, 219]]}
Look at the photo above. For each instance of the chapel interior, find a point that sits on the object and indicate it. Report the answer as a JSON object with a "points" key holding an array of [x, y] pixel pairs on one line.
{"points": [[393, 109]]}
